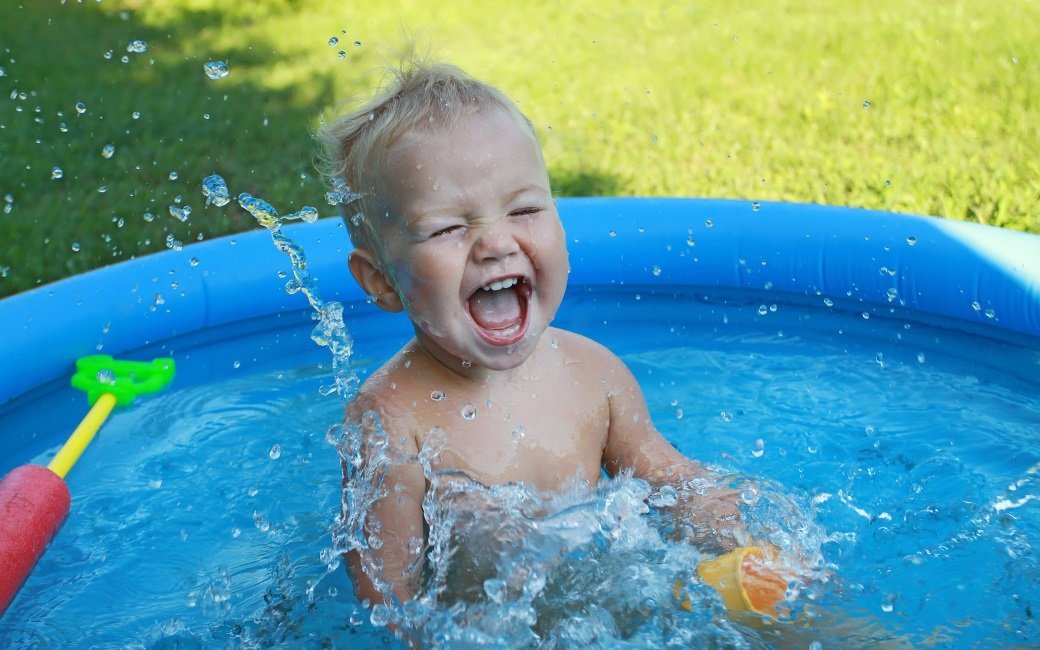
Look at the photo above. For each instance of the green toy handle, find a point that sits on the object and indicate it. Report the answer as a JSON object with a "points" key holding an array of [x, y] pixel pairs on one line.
{"points": [[99, 374]]}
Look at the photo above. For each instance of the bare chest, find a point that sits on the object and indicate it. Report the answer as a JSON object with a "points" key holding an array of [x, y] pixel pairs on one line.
{"points": [[533, 436]]}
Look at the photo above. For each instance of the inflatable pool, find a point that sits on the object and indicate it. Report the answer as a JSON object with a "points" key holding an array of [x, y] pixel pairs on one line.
{"points": [[970, 276], [943, 288]]}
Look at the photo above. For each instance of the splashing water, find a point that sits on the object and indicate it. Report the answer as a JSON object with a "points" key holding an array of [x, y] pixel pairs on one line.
{"points": [[330, 332], [341, 194]]}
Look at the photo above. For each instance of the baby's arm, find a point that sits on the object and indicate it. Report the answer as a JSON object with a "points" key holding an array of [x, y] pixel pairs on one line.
{"points": [[633, 443], [394, 525]]}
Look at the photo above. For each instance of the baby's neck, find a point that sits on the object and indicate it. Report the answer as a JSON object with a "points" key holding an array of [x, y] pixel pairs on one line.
{"points": [[463, 370]]}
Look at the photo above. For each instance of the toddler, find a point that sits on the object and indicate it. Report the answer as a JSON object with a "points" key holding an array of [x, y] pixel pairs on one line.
{"points": [[453, 221]]}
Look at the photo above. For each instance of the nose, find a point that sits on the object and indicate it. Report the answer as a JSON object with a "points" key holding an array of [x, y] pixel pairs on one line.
{"points": [[495, 243]]}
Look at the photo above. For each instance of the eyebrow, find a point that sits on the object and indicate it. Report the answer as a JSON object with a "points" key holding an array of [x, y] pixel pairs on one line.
{"points": [[411, 220]]}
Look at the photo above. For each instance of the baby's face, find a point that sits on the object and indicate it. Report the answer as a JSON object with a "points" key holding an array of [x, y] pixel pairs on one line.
{"points": [[474, 242]]}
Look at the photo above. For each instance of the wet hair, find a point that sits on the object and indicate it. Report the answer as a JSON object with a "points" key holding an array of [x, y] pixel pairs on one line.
{"points": [[416, 96]]}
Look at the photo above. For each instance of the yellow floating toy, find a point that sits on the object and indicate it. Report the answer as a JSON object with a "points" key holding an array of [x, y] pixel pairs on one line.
{"points": [[746, 578]]}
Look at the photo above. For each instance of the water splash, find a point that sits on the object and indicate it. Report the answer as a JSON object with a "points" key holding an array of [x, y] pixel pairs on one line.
{"points": [[341, 194], [330, 331]]}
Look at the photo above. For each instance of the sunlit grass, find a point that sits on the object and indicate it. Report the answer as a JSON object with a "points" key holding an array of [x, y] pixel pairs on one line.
{"points": [[928, 107]]}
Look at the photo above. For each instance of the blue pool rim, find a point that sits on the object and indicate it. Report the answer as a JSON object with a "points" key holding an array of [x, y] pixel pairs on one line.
{"points": [[971, 277]]}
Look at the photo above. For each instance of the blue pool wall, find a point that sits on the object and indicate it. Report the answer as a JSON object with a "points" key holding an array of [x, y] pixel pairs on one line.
{"points": [[967, 276]]}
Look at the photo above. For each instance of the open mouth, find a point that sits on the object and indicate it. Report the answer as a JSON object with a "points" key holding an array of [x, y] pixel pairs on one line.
{"points": [[499, 310]]}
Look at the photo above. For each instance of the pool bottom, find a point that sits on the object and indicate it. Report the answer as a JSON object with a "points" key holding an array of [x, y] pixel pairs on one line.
{"points": [[200, 516]]}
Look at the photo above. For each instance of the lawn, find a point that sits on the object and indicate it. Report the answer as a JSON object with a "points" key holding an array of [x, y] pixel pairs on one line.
{"points": [[929, 107]]}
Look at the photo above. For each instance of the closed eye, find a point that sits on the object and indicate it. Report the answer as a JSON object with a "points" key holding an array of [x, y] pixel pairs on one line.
{"points": [[445, 231], [525, 211]]}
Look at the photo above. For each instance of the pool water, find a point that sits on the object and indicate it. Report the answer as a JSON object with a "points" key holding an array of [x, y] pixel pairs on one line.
{"points": [[203, 516]]}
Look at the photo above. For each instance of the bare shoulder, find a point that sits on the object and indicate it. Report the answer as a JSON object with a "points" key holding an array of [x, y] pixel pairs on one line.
{"points": [[389, 394], [590, 357]]}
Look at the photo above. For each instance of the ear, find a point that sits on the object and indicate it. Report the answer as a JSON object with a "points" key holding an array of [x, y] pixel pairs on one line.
{"points": [[365, 269]]}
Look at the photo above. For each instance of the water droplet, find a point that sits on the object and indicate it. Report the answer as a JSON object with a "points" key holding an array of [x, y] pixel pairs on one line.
{"points": [[148, 216], [181, 213], [976, 306], [334, 41], [216, 69], [437, 396], [920, 357], [216, 191], [726, 416], [990, 313], [108, 151], [911, 240], [137, 47], [341, 54], [613, 233], [276, 452], [892, 294], [759, 449], [866, 103], [56, 173], [173, 176], [656, 270], [466, 363], [763, 310], [708, 223], [75, 247], [828, 302], [519, 432], [865, 315], [236, 532], [194, 261], [555, 344], [468, 411], [690, 242], [155, 483], [755, 206], [63, 127], [81, 108], [357, 43]]}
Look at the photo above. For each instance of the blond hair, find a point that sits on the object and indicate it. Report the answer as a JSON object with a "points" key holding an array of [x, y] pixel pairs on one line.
{"points": [[418, 95]]}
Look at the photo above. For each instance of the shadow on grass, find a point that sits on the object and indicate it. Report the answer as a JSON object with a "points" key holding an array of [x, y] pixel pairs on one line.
{"points": [[570, 182], [166, 124]]}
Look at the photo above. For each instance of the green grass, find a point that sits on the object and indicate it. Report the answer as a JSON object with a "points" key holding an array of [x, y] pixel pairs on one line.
{"points": [[929, 107]]}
